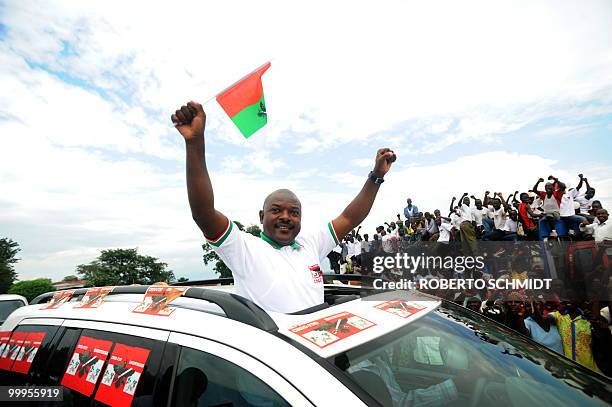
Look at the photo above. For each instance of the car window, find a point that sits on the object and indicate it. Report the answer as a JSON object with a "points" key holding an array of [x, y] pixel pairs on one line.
{"points": [[20, 353], [454, 357], [204, 379], [7, 307], [100, 368]]}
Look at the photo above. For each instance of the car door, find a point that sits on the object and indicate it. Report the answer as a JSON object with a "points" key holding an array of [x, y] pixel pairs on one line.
{"points": [[99, 363], [209, 373]]}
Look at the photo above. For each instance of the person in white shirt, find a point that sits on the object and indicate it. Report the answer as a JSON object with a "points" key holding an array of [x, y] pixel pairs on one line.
{"points": [[280, 270], [602, 231], [585, 199], [510, 226], [480, 213], [567, 210], [469, 245]]}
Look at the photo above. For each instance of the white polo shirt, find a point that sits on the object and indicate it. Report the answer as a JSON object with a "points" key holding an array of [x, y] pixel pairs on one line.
{"points": [[567, 203], [277, 278]]}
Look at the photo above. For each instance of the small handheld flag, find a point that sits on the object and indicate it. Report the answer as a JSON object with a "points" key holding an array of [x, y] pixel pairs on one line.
{"points": [[244, 102]]}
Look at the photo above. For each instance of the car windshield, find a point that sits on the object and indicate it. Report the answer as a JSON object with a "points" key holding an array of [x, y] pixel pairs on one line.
{"points": [[7, 307], [454, 357]]}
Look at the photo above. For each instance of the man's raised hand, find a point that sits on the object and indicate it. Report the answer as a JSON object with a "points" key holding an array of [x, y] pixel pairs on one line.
{"points": [[384, 158], [190, 121]]}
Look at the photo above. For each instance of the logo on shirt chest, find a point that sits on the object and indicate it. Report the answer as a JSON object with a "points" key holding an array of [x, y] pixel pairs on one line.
{"points": [[317, 274]]}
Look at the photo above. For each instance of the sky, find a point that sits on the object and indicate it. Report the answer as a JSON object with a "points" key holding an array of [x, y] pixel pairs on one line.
{"points": [[471, 96]]}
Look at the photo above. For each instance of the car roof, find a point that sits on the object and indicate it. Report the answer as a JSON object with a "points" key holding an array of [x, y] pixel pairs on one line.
{"points": [[12, 297], [213, 312]]}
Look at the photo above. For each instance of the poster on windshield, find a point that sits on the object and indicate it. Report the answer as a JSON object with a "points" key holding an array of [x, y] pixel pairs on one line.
{"points": [[122, 374], [59, 298], [27, 352], [86, 364], [93, 297], [331, 329], [400, 308], [157, 298]]}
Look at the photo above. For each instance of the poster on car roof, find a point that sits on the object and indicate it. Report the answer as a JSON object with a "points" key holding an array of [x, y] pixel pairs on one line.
{"points": [[86, 364], [157, 298], [93, 297], [402, 309], [325, 331], [27, 352], [59, 298], [122, 375]]}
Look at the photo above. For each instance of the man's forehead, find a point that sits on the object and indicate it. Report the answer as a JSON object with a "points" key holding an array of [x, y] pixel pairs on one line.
{"points": [[282, 198]]}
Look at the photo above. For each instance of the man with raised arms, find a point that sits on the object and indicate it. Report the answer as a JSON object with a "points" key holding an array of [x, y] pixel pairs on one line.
{"points": [[280, 270]]}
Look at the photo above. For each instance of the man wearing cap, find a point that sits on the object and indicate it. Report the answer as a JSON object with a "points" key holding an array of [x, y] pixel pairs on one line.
{"points": [[280, 270]]}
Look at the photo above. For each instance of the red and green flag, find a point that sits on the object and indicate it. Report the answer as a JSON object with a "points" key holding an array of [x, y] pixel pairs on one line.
{"points": [[244, 102]]}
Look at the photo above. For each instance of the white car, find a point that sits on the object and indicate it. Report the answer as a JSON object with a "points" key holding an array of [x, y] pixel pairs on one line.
{"points": [[9, 303], [214, 348]]}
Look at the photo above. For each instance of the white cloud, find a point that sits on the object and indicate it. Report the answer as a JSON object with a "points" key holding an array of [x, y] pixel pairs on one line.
{"points": [[92, 162]]}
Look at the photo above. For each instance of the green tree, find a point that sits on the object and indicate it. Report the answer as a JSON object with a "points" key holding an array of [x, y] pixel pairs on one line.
{"points": [[71, 277], [32, 288], [182, 279], [211, 257], [123, 267], [8, 253]]}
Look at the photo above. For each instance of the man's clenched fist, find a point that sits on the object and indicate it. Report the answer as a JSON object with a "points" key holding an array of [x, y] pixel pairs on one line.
{"points": [[190, 121]]}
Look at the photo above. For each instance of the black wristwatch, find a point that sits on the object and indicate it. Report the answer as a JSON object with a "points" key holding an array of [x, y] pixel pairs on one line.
{"points": [[375, 179]]}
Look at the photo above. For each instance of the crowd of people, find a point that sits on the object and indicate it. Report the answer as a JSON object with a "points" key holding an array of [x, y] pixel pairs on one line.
{"points": [[516, 235]]}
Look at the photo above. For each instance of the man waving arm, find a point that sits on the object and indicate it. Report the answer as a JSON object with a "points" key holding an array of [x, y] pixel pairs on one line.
{"points": [[360, 206], [190, 121]]}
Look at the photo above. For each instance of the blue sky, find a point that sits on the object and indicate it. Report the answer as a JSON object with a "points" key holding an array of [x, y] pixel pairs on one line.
{"points": [[471, 96]]}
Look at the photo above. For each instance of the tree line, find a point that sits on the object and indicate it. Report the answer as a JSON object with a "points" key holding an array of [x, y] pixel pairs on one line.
{"points": [[113, 267]]}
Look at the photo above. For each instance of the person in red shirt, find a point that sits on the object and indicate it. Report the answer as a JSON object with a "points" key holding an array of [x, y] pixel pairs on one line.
{"points": [[528, 217], [551, 197]]}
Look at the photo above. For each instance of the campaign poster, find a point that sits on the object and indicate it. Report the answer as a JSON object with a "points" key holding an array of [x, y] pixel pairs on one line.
{"points": [[59, 298], [11, 351], [157, 298], [120, 379], [331, 329], [93, 297], [6, 350], [400, 308], [4, 343], [27, 352], [86, 364]]}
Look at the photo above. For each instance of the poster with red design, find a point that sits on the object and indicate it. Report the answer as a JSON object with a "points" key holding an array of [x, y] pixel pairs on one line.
{"points": [[122, 374], [6, 350], [93, 297], [59, 298], [331, 329], [157, 298], [28, 351], [400, 308], [12, 350], [86, 364]]}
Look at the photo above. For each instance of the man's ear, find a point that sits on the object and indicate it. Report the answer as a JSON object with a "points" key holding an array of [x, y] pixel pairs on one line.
{"points": [[261, 217]]}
